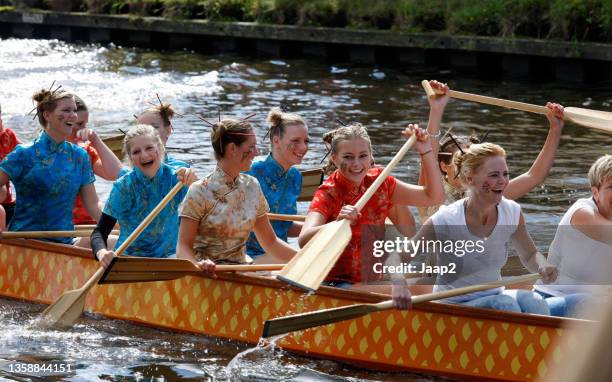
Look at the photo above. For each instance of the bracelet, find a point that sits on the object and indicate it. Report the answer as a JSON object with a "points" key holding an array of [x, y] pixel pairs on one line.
{"points": [[435, 136], [425, 153]]}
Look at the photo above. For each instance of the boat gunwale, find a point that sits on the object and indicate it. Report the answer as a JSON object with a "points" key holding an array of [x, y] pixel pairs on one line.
{"points": [[324, 291]]}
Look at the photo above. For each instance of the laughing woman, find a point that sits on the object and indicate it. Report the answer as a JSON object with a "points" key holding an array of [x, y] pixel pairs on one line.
{"points": [[351, 154], [476, 233], [136, 194], [280, 182], [221, 209], [50, 172], [160, 117]]}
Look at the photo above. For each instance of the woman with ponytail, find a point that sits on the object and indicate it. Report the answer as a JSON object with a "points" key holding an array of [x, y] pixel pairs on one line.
{"points": [[50, 172], [280, 181], [221, 209]]}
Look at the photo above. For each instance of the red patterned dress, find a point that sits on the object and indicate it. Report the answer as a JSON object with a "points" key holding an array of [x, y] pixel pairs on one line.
{"points": [[355, 263], [81, 216]]}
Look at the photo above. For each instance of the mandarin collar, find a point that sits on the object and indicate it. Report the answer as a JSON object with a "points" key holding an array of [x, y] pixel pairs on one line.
{"points": [[349, 186], [141, 177], [275, 168], [51, 145], [220, 176]]}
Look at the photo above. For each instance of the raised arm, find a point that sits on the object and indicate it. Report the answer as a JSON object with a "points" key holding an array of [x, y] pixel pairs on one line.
{"points": [[539, 170], [432, 193], [529, 255], [108, 165]]}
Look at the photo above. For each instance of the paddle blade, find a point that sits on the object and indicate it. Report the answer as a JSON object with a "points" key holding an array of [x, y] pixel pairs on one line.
{"points": [[311, 264], [595, 119], [64, 311], [308, 320]]}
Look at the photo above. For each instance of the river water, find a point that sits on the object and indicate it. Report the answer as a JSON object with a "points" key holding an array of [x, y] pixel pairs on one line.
{"points": [[118, 82]]}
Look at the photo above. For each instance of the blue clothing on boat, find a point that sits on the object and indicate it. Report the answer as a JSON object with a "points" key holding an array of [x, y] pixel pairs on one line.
{"points": [[281, 190], [131, 200], [47, 177]]}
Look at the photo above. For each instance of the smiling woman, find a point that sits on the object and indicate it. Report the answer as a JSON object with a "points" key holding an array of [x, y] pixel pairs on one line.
{"points": [[50, 172], [135, 195], [221, 209], [280, 182]]}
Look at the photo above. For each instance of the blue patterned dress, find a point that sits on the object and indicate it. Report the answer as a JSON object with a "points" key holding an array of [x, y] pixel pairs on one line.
{"points": [[133, 197], [281, 190], [47, 177]]}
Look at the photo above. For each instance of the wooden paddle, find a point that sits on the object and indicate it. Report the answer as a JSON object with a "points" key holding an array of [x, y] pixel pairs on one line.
{"points": [[81, 232], [288, 218], [303, 321], [69, 306], [43, 234], [312, 263], [595, 119], [143, 269]]}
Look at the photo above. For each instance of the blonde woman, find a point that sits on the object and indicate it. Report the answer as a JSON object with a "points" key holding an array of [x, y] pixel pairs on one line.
{"points": [[476, 233]]}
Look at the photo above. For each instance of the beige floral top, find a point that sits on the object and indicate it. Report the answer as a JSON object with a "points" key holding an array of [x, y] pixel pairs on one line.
{"points": [[226, 210]]}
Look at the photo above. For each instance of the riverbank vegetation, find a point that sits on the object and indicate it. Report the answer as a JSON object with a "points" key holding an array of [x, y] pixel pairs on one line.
{"points": [[569, 20]]}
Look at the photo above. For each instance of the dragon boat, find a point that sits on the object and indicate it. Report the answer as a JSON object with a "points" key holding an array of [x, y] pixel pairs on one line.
{"points": [[432, 338]]}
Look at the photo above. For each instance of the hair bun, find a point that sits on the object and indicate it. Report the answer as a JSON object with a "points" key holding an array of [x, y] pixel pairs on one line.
{"points": [[275, 116], [41, 95]]}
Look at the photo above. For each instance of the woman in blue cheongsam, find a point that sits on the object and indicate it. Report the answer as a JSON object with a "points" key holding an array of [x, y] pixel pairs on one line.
{"points": [[280, 182], [50, 172], [136, 194]]}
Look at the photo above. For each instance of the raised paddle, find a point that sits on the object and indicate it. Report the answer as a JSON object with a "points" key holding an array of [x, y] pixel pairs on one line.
{"points": [[67, 309], [312, 263], [143, 269], [594, 119], [303, 321]]}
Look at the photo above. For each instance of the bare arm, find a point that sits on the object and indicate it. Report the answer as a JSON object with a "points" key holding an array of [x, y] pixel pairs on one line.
{"points": [[403, 220], [108, 166], [436, 111], [593, 224], [539, 170], [90, 200], [268, 240], [433, 192], [4, 179], [313, 223], [295, 229], [188, 229], [529, 255]]}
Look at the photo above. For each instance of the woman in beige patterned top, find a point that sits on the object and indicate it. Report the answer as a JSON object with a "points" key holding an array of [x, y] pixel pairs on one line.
{"points": [[221, 209]]}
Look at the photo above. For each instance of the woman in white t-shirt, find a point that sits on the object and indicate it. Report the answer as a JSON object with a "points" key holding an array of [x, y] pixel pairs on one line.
{"points": [[582, 248], [471, 237]]}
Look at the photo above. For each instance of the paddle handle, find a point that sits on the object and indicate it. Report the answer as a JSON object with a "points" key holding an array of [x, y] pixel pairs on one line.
{"points": [[287, 218], [248, 267], [486, 100], [43, 234], [145, 223], [383, 175], [384, 305]]}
